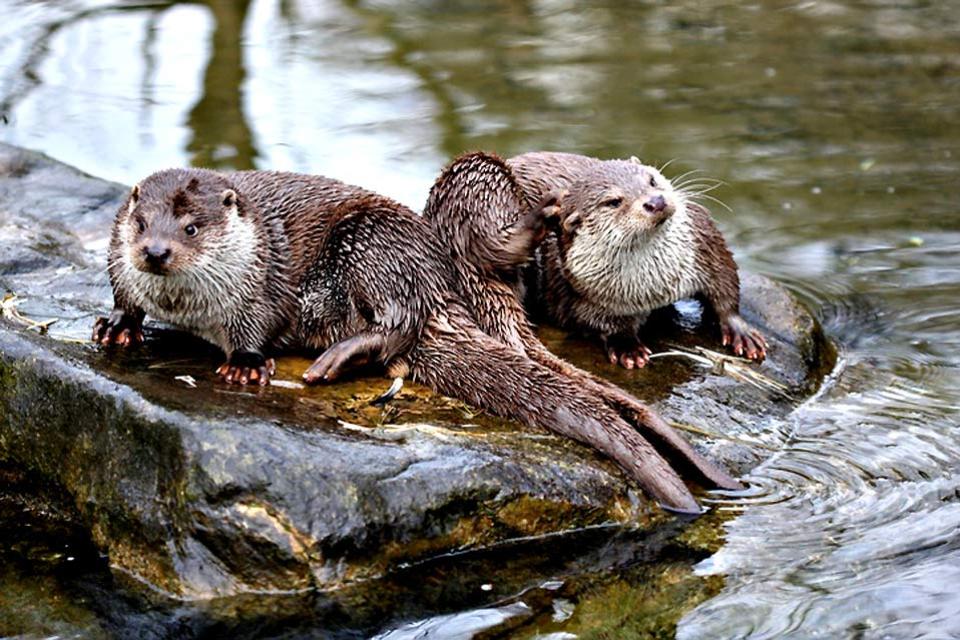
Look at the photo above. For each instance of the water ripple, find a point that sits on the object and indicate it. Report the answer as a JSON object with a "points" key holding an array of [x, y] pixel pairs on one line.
{"points": [[853, 529]]}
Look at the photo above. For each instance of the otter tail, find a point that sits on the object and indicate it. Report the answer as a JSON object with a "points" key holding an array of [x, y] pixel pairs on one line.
{"points": [[455, 358], [651, 425]]}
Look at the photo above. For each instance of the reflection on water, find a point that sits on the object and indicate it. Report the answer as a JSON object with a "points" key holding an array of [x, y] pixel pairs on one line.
{"points": [[221, 137], [834, 125], [122, 89]]}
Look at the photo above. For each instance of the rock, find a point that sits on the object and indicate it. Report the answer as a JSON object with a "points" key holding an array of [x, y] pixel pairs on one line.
{"points": [[205, 490]]}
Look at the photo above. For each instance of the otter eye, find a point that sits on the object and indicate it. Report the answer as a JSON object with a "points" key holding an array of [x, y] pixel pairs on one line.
{"points": [[190, 229], [613, 203], [653, 181], [141, 225]]}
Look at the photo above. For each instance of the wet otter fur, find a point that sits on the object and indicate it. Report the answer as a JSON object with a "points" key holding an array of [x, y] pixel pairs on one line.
{"points": [[356, 275], [478, 211], [220, 255], [385, 288], [628, 243]]}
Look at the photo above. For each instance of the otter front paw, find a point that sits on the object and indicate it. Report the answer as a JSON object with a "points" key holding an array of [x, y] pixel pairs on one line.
{"points": [[550, 206], [247, 367], [743, 339], [628, 352], [543, 217], [120, 328]]}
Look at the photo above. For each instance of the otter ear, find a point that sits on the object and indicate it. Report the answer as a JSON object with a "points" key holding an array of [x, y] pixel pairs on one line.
{"points": [[229, 200], [134, 198], [635, 160], [193, 185], [572, 221]]}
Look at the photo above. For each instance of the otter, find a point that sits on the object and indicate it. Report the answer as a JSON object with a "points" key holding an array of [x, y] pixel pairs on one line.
{"points": [[220, 255], [477, 209], [627, 243], [359, 277]]}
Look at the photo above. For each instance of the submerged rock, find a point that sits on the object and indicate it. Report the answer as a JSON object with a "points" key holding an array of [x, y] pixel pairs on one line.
{"points": [[202, 490]]}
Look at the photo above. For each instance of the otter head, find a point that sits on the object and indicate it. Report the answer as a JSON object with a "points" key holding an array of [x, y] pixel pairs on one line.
{"points": [[610, 224], [174, 217], [619, 202]]}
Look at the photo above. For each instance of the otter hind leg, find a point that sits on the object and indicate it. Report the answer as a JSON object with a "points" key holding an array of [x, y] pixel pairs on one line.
{"points": [[479, 212], [347, 354], [517, 241], [631, 451], [666, 440]]}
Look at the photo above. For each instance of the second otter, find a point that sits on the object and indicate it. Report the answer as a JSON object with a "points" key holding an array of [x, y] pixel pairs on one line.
{"points": [[628, 243], [476, 209]]}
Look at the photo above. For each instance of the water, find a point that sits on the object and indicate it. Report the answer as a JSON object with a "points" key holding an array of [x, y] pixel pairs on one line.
{"points": [[834, 125]]}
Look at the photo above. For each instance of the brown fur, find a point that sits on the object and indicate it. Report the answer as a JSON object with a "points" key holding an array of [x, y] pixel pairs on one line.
{"points": [[563, 296], [476, 203], [386, 288], [246, 307]]}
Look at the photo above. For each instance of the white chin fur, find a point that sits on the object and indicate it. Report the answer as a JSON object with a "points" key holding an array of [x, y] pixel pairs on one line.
{"points": [[633, 277]]}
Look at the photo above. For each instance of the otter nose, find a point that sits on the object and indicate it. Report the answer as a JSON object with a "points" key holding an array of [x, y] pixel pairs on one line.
{"points": [[156, 255], [655, 205]]}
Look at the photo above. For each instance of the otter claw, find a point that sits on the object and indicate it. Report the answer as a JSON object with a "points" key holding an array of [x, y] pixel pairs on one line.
{"points": [[744, 340], [119, 329], [551, 204], [342, 356], [243, 368], [631, 358], [329, 366]]}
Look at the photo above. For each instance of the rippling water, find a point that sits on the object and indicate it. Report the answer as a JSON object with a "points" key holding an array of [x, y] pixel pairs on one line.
{"points": [[855, 530], [834, 125]]}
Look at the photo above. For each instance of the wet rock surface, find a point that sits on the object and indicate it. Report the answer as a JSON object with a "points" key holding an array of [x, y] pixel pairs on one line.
{"points": [[202, 490]]}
